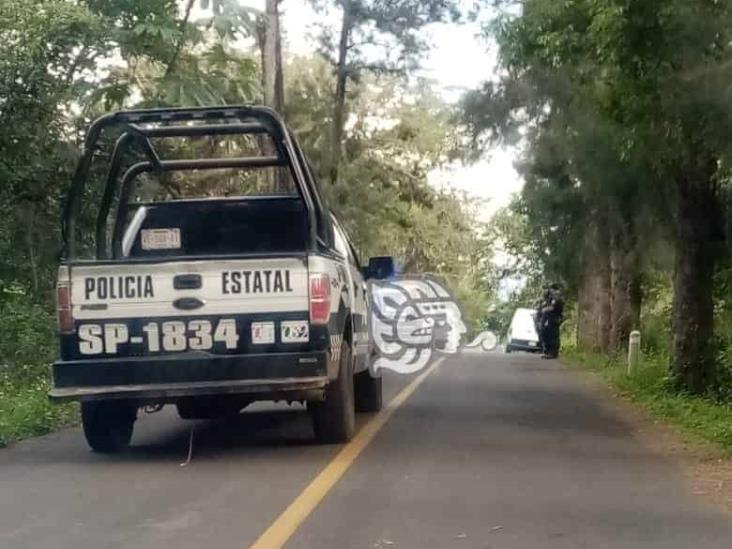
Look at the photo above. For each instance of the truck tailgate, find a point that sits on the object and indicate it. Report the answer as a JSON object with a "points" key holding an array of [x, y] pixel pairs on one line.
{"points": [[213, 306]]}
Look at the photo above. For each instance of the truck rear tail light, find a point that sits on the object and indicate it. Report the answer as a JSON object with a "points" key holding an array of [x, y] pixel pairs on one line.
{"points": [[319, 298], [63, 302]]}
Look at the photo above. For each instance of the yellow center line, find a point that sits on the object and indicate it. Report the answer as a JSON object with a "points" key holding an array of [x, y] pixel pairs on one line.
{"points": [[291, 518]]}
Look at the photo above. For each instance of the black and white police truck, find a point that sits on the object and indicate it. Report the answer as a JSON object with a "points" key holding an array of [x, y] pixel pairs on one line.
{"points": [[202, 268]]}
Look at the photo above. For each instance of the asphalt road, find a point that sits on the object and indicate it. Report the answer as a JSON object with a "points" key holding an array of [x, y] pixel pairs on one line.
{"points": [[490, 451]]}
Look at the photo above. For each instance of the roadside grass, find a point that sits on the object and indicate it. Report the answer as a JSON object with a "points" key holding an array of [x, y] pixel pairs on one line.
{"points": [[25, 410], [700, 418], [28, 345]]}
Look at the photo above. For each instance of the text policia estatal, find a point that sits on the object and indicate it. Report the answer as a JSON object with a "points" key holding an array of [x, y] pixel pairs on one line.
{"points": [[232, 282]]}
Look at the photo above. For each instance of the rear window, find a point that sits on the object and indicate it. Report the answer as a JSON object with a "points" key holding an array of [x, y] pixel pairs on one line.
{"points": [[150, 187], [214, 227], [207, 208], [213, 146]]}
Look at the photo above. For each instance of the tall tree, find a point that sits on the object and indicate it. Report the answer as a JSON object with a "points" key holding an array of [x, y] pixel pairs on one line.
{"points": [[658, 75], [269, 42], [274, 91], [393, 28], [400, 132], [47, 58], [170, 59]]}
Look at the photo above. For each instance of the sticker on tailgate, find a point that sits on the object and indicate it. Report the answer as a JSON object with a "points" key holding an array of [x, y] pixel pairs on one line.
{"points": [[160, 239], [295, 331], [263, 332]]}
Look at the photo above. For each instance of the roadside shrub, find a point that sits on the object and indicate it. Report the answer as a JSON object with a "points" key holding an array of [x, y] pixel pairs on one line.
{"points": [[27, 333], [27, 347], [724, 374]]}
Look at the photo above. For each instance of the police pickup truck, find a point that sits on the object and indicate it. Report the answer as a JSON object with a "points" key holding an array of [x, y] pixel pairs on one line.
{"points": [[202, 268]]}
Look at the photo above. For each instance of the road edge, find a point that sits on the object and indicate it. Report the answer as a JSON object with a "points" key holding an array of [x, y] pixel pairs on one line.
{"points": [[707, 470]]}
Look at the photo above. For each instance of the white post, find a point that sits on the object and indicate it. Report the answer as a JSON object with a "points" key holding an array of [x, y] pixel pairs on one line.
{"points": [[633, 351]]}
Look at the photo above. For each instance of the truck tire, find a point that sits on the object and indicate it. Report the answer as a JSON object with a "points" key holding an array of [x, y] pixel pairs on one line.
{"points": [[108, 425], [334, 419], [368, 392]]}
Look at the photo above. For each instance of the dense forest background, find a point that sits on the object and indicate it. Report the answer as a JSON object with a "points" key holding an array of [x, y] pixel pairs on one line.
{"points": [[625, 111], [622, 111]]}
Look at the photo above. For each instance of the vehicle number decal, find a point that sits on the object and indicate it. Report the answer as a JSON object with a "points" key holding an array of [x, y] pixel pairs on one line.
{"points": [[174, 335], [160, 239], [263, 332], [295, 331]]}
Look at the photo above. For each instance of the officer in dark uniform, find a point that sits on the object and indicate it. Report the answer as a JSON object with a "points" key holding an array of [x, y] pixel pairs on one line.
{"points": [[539, 316], [551, 319]]}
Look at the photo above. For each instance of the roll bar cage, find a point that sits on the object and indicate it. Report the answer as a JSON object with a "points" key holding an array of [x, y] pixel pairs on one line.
{"points": [[139, 126]]}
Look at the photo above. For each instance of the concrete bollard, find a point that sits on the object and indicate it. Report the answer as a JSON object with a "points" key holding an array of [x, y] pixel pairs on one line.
{"points": [[634, 342]]}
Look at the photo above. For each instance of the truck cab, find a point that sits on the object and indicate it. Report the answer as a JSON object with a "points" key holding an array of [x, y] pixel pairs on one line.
{"points": [[202, 268]]}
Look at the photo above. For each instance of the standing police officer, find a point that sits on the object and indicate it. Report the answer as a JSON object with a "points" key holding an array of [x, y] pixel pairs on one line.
{"points": [[551, 319], [539, 316]]}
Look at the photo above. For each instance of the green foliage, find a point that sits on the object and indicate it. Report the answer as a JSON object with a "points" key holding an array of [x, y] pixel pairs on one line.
{"points": [[213, 77], [27, 347], [397, 134], [47, 52], [28, 333], [723, 328], [64, 62], [393, 29], [171, 60], [25, 410], [57, 56], [656, 316], [625, 110], [139, 27]]}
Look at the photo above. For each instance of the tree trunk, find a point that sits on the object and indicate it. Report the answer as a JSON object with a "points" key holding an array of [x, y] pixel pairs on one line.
{"points": [[261, 37], [340, 95], [594, 307], [272, 59], [636, 300], [279, 92], [270, 45], [697, 239], [30, 237], [625, 284], [181, 40], [605, 289]]}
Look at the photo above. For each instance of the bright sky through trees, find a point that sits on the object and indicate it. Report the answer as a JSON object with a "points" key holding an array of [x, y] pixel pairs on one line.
{"points": [[459, 61]]}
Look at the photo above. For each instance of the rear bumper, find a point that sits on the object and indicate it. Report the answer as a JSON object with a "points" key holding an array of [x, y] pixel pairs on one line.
{"points": [[524, 345], [263, 377]]}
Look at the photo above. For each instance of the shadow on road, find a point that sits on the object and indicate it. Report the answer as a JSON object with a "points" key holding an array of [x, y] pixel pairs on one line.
{"points": [[264, 429], [249, 429]]}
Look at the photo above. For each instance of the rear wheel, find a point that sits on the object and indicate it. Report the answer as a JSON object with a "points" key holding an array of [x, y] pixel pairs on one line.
{"points": [[509, 348], [334, 418], [368, 392], [108, 424]]}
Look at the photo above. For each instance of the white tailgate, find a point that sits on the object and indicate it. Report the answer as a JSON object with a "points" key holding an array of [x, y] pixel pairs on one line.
{"points": [[227, 287]]}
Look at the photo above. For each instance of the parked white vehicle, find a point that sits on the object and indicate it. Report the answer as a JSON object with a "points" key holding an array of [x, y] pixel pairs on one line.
{"points": [[522, 334]]}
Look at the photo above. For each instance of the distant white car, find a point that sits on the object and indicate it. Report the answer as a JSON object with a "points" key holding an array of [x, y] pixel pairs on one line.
{"points": [[522, 335]]}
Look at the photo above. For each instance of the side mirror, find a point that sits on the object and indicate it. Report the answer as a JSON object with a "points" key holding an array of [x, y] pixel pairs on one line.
{"points": [[380, 268]]}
